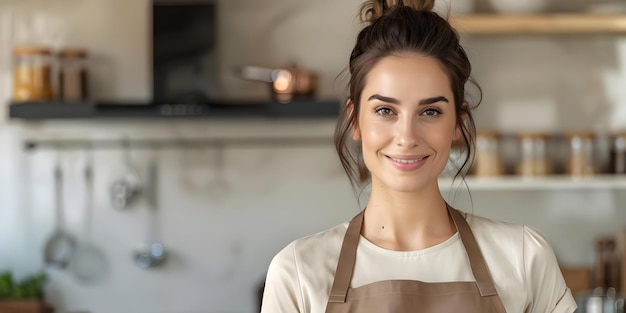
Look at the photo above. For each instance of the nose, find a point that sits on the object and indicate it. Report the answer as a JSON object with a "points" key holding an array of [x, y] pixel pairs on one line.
{"points": [[406, 134]]}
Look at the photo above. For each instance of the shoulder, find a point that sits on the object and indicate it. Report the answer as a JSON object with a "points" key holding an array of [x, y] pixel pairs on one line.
{"points": [[498, 232], [528, 240], [300, 275], [523, 266], [495, 233], [310, 250], [517, 241]]}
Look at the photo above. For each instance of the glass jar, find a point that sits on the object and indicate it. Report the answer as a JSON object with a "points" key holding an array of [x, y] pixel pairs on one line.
{"points": [[534, 159], [581, 155], [73, 77], [488, 161], [32, 74], [618, 153]]}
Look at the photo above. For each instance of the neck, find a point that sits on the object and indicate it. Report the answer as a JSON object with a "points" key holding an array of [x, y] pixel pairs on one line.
{"points": [[407, 221]]}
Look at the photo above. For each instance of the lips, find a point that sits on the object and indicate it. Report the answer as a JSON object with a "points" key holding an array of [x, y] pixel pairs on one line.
{"points": [[407, 162]]}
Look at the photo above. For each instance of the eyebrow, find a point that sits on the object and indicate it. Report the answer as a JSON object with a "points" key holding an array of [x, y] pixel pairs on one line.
{"points": [[396, 101]]}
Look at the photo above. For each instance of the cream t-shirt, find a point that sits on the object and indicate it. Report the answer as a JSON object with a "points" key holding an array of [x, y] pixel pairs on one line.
{"points": [[521, 262]]}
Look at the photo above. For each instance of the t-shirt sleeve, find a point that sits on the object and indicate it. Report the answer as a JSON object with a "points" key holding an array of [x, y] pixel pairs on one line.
{"points": [[544, 280], [282, 292]]}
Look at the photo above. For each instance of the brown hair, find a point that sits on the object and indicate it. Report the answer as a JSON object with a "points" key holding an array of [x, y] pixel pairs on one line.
{"points": [[395, 27]]}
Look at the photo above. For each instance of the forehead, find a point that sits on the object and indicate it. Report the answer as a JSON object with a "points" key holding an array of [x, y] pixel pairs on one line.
{"points": [[408, 76]]}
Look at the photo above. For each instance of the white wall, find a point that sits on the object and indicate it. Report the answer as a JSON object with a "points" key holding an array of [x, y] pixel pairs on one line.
{"points": [[221, 243]]}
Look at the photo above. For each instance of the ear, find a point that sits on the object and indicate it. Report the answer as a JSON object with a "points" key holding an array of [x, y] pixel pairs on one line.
{"points": [[356, 132]]}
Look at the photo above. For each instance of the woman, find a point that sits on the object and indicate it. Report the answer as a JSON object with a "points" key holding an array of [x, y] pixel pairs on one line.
{"points": [[408, 251]]}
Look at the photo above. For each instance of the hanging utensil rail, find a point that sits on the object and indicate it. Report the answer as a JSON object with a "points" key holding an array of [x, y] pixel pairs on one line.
{"points": [[79, 144]]}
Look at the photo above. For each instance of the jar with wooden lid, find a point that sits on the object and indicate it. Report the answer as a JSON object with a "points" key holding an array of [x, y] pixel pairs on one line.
{"points": [[618, 153], [581, 154], [488, 161], [32, 80], [73, 77], [534, 160]]}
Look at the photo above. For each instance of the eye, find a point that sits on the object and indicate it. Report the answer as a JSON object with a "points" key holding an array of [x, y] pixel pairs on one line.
{"points": [[383, 111], [431, 112]]}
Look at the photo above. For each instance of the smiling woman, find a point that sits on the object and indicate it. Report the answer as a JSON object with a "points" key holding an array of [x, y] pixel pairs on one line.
{"points": [[408, 250]]}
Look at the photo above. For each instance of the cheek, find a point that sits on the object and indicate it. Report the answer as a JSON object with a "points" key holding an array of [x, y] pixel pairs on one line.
{"points": [[373, 135], [444, 137]]}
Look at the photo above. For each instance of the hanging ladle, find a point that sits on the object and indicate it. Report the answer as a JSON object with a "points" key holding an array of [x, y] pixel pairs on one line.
{"points": [[59, 248], [89, 263], [125, 190], [153, 253]]}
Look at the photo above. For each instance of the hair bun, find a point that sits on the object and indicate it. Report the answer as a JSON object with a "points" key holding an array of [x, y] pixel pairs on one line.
{"points": [[371, 10]]}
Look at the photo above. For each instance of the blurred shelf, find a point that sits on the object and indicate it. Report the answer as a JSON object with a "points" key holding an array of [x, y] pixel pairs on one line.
{"points": [[541, 24], [557, 182], [215, 110]]}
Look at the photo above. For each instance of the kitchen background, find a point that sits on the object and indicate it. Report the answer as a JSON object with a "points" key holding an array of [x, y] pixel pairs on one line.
{"points": [[224, 213]]}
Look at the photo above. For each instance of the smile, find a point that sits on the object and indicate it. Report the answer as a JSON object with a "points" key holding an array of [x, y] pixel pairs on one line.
{"points": [[407, 161]]}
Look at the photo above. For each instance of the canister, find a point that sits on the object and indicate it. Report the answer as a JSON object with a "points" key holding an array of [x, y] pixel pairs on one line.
{"points": [[32, 74], [618, 153], [73, 75], [581, 154], [488, 161], [534, 160]]}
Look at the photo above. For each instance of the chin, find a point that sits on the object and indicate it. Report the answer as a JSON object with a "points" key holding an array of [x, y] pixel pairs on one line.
{"points": [[408, 186]]}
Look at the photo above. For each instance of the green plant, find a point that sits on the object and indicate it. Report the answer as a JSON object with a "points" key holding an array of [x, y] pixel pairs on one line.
{"points": [[30, 287]]}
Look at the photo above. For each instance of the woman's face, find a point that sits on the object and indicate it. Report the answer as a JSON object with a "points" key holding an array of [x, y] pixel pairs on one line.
{"points": [[406, 122]]}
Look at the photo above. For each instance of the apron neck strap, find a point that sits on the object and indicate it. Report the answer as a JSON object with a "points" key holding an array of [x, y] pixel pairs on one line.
{"points": [[476, 259], [347, 258]]}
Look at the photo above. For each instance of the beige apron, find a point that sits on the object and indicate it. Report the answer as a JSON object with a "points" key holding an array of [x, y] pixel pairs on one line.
{"points": [[399, 296]]}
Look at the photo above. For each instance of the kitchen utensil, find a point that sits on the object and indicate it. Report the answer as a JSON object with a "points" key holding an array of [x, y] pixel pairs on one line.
{"points": [[286, 83], [603, 298], [153, 253], [60, 245], [88, 263], [126, 189], [600, 300]]}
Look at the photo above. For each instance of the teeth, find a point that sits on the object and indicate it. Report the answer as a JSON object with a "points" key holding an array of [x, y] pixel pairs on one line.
{"points": [[407, 161]]}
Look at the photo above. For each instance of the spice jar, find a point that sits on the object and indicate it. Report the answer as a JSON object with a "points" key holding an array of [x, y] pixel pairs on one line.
{"points": [[581, 159], [73, 74], [32, 74], [618, 153], [534, 157], [488, 161]]}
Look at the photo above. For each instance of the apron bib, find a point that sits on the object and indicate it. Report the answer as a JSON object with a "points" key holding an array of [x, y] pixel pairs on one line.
{"points": [[403, 296]]}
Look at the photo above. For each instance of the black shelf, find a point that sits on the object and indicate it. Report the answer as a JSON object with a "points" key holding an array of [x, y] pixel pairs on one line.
{"points": [[222, 109]]}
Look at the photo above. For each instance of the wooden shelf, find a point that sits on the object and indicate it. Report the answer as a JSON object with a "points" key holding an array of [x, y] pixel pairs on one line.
{"points": [[541, 24], [557, 182]]}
